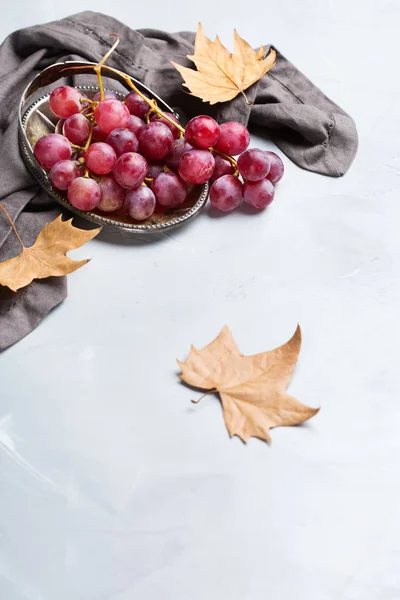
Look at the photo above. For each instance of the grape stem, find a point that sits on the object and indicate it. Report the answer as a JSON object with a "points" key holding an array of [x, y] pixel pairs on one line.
{"points": [[88, 100], [97, 68], [12, 224], [89, 138], [230, 158], [152, 103], [76, 147]]}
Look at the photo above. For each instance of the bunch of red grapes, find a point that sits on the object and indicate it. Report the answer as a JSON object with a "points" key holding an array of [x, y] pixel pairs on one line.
{"points": [[111, 154]]}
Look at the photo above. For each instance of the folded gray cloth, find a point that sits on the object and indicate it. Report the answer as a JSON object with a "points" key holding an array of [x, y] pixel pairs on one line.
{"points": [[308, 127]]}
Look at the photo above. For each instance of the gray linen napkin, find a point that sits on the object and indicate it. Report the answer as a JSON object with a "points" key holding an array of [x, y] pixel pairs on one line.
{"points": [[308, 127]]}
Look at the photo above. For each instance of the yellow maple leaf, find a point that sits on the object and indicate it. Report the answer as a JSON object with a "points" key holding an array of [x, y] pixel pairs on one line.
{"points": [[47, 257], [252, 388], [221, 76]]}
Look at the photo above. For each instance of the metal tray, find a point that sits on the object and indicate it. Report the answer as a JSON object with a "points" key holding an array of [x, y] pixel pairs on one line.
{"points": [[36, 120]]}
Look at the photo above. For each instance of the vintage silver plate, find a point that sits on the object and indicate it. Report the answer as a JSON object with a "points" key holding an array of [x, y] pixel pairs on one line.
{"points": [[36, 120]]}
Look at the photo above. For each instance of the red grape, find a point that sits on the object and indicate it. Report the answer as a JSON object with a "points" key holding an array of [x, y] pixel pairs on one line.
{"points": [[174, 130], [258, 193], [155, 141], [84, 193], [107, 95], [179, 147], [277, 168], [140, 203], [222, 167], [112, 194], [100, 158], [63, 173], [123, 140], [110, 114], [234, 138], [169, 190], [52, 148], [135, 125], [202, 132], [65, 101], [99, 135], [253, 164], [226, 193], [76, 128], [196, 166], [153, 170], [130, 170], [136, 105]]}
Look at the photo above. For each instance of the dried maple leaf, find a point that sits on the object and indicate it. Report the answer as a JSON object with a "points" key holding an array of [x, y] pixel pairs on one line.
{"points": [[47, 256], [252, 388], [221, 76]]}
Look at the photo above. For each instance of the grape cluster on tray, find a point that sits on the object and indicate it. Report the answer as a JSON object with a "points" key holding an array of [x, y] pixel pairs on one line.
{"points": [[126, 155]]}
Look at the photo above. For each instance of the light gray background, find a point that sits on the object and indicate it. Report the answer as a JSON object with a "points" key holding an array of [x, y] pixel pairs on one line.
{"points": [[112, 485]]}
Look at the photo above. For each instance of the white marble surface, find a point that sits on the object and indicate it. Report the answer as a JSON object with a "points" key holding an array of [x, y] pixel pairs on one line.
{"points": [[112, 485]]}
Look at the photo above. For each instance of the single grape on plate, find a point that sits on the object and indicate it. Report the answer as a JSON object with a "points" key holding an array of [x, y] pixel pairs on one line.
{"points": [[52, 148], [169, 190], [154, 169], [136, 105], [234, 138], [76, 129], [140, 203], [155, 141], [110, 114], [65, 101], [196, 166], [174, 130], [130, 170], [100, 158], [202, 131], [84, 193], [63, 173], [112, 194], [123, 140], [135, 125]]}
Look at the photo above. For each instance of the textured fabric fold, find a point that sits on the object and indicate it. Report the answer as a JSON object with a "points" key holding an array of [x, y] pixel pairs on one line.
{"points": [[308, 127]]}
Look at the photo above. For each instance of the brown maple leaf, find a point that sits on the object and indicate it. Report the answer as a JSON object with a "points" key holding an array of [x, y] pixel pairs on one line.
{"points": [[221, 76], [47, 256], [252, 388]]}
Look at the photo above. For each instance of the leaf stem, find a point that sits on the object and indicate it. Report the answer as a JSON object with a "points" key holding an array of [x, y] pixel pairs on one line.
{"points": [[204, 395], [12, 224], [249, 102]]}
